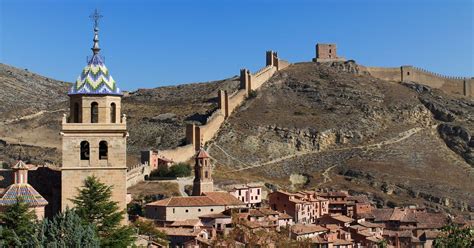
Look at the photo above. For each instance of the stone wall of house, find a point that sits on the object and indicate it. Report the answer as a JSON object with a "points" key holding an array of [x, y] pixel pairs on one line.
{"points": [[180, 213]]}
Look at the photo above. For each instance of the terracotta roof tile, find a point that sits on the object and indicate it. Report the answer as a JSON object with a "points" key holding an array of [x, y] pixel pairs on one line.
{"points": [[300, 229], [223, 198], [207, 199], [202, 154]]}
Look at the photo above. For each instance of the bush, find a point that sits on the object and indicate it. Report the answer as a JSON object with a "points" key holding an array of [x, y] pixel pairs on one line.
{"points": [[252, 94], [298, 113], [181, 170], [176, 170]]}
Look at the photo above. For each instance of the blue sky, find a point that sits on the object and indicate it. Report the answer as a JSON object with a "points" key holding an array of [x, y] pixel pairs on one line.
{"points": [[155, 43]]}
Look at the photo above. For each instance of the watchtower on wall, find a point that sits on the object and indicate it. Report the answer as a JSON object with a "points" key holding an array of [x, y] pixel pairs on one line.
{"points": [[327, 53], [94, 135], [202, 174]]}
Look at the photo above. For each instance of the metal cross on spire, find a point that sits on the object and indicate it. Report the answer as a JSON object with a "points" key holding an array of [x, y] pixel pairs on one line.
{"points": [[95, 17]]}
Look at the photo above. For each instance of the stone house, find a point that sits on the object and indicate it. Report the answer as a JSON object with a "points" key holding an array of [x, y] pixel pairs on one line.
{"points": [[303, 206], [219, 221], [191, 207]]}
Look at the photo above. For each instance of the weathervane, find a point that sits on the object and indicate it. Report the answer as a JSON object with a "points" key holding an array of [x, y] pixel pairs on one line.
{"points": [[95, 17]]}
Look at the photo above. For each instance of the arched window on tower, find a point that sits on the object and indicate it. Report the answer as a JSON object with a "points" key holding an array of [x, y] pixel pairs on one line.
{"points": [[113, 110], [94, 112], [85, 151], [76, 113], [103, 150]]}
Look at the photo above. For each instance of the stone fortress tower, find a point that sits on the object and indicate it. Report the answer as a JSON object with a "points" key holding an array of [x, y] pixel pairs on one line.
{"points": [[202, 174], [94, 135]]}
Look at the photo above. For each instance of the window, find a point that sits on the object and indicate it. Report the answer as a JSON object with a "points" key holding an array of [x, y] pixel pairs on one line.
{"points": [[187, 211], [76, 113], [113, 110], [85, 150], [240, 192], [94, 112], [212, 210], [408, 73], [330, 50], [173, 210], [103, 150], [199, 210], [206, 174], [258, 191]]}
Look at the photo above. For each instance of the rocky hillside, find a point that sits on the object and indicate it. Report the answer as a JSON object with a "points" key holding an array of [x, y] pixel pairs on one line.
{"points": [[311, 125], [329, 126]]}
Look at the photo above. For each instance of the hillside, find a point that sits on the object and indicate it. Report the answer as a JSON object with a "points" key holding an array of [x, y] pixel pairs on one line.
{"points": [[311, 125], [329, 126]]}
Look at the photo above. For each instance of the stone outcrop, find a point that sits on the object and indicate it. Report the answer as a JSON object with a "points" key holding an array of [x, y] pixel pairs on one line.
{"points": [[459, 140]]}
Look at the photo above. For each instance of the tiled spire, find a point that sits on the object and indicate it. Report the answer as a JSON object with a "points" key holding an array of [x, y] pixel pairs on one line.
{"points": [[95, 78]]}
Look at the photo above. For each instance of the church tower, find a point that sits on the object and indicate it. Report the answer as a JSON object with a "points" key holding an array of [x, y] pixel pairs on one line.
{"points": [[202, 174], [94, 135]]}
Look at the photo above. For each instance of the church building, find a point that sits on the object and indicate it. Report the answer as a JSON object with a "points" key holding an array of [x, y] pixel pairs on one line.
{"points": [[94, 135]]}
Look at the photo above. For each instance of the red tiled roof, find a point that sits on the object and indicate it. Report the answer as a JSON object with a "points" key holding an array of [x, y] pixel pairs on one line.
{"points": [[369, 224], [207, 199], [300, 229], [202, 154], [283, 216], [341, 218], [223, 198]]}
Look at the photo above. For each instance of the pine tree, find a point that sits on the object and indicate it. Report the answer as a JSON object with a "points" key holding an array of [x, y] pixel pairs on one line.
{"points": [[67, 229], [93, 205], [19, 224]]}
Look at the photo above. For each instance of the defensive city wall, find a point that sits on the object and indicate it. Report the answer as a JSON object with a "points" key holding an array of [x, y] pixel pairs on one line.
{"points": [[456, 85], [197, 136]]}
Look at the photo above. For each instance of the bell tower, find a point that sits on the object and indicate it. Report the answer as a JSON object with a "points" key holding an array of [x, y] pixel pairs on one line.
{"points": [[94, 134], [202, 174]]}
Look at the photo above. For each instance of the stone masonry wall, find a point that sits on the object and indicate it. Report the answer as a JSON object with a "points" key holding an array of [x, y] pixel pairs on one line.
{"points": [[453, 85]]}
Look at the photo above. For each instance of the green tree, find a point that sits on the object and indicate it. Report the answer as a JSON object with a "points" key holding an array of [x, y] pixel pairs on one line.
{"points": [[93, 205], [181, 170], [175, 170], [67, 229], [454, 236], [18, 224]]}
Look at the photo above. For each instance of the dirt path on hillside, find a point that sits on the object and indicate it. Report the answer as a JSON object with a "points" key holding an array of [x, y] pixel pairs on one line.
{"points": [[401, 136], [31, 116]]}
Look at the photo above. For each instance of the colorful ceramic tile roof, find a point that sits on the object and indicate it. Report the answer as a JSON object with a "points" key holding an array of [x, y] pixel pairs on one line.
{"points": [[95, 78], [22, 191]]}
